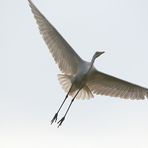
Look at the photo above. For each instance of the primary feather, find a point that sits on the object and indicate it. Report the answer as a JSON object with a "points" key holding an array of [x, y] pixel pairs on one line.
{"points": [[104, 84]]}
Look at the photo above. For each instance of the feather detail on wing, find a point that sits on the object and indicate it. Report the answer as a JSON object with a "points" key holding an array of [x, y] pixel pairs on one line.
{"points": [[63, 54], [65, 81], [103, 84]]}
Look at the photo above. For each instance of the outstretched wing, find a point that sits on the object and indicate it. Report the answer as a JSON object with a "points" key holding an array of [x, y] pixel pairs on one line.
{"points": [[63, 54], [103, 84]]}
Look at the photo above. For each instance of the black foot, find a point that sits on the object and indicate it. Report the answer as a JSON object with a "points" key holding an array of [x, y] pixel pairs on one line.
{"points": [[54, 118], [61, 121]]}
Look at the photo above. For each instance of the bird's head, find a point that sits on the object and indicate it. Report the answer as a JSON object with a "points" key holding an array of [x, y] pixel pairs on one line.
{"points": [[97, 54]]}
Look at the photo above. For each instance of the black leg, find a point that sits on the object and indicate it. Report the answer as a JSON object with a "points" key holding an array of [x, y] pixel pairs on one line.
{"points": [[63, 118], [54, 119]]}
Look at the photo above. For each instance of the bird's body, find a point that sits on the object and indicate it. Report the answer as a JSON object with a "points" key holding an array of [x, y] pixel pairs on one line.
{"points": [[81, 79]]}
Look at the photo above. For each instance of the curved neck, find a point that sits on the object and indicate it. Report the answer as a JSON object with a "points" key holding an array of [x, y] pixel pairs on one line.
{"points": [[92, 62]]}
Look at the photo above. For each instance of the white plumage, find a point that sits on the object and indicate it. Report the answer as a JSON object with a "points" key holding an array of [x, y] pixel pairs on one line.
{"points": [[80, 79]]}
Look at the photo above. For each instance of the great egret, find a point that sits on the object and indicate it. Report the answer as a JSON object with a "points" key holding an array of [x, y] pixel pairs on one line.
{"points": [[80, 79]]}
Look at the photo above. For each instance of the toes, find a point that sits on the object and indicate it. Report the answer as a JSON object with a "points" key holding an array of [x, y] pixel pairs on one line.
{"points": [[61, 121], [54, 118]]}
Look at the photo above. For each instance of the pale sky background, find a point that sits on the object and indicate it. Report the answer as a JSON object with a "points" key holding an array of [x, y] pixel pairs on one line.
{"points": [[29, 90]]}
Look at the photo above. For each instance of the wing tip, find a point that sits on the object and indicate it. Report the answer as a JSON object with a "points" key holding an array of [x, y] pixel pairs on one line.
{"points": [[30, 2]]}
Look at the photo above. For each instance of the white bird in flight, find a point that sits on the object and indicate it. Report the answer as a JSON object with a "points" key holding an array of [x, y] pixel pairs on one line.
{"points": [[80, 79]]}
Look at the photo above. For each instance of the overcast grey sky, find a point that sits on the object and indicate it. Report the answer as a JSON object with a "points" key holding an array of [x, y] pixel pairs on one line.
{"points": [[29, 90]]}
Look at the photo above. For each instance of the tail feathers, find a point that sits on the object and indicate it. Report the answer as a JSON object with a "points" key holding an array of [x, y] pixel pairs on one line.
{"points": [[66, 82]]}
